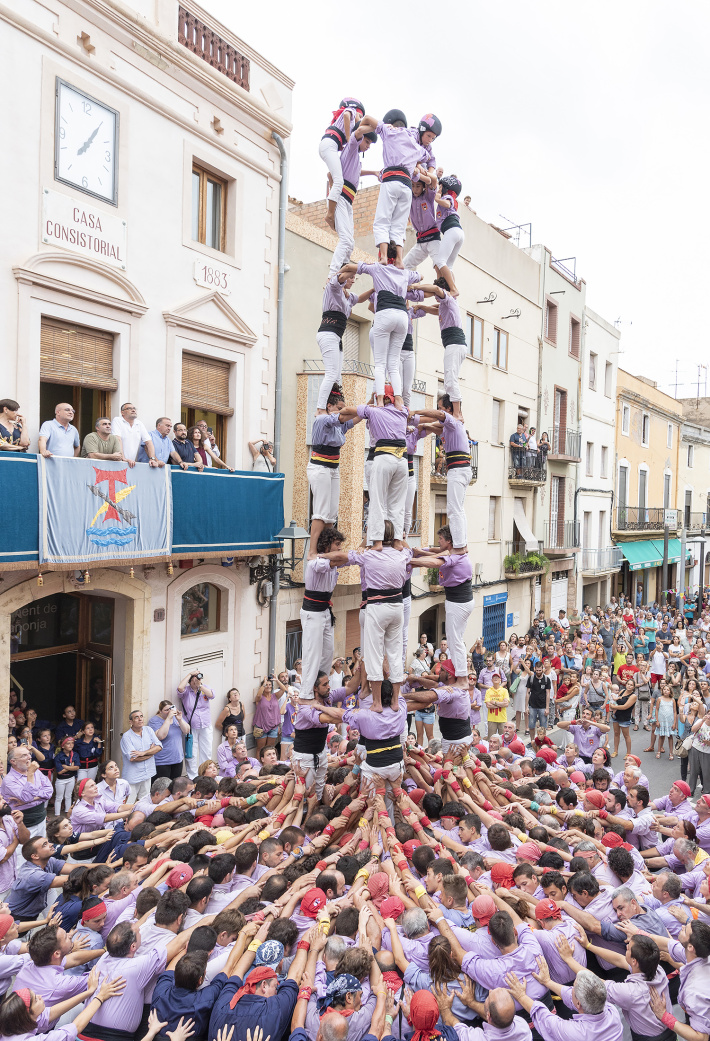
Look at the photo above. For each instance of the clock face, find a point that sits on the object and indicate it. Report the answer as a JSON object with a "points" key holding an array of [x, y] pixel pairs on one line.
{"points": [[86, 143]]}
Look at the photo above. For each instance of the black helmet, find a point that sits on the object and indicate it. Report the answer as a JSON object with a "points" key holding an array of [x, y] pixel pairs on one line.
{"points": [[429, 122], [348, 102], [370, 135], [395, 115], [451, 184]]}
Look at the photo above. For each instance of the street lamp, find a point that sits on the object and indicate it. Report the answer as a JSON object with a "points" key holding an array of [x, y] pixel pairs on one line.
{"points": [[268, 571]]}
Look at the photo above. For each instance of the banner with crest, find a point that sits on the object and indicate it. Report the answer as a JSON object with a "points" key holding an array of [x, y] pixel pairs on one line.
{"points": [[91, 510]]}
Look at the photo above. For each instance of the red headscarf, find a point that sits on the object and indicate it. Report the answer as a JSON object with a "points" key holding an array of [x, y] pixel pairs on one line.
{"points": [[502, 875], [595, 798], [416, 795], [263, 972], [93, 912], [483, 908], [378, 886], [391, 907], [529, 851], [547, 909], [6, 922], [313, 901], [423, 1016], [408, 847], [26, 995], [448, 666]]}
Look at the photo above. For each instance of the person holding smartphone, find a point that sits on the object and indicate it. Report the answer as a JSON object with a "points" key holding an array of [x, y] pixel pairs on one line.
{"points": [[170, 727], [195, 698]]}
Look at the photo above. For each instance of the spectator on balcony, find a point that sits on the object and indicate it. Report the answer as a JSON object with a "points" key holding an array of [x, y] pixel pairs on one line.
{"points": [[262, 459], [518, 445], [209, 440], [58, 436], [102, 444], [184, 449], [531, 454], [203, 449], [163, 450], [543, 447], [133, 433], [13, 435]]}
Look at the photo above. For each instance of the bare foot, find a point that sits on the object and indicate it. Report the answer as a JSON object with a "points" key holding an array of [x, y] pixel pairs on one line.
{"points": [[454, 293], [376, 706], [394, 704]]}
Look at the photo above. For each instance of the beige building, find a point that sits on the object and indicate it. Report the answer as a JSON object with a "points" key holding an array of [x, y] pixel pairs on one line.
{"points": [[694, 499], [647, 476], [138, 263], [500, 306]]}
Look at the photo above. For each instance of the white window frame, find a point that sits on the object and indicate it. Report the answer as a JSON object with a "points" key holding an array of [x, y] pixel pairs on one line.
{"points": [[589, 458], [593, 369], [645, 416], [625, 419], [669, 436], [691, 456], [604, 462]]}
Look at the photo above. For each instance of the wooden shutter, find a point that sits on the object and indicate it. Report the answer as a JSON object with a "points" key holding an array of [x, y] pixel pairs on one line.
{"points": [[205, 384], [76, 355]]}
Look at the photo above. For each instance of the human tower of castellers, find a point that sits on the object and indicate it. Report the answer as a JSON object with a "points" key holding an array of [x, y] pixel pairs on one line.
{"points": [[363, 891]]}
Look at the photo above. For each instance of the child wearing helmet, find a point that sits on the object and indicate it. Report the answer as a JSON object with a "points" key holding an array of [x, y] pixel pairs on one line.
{"points": [[449, 224], [350, 158], [334, 139], [423, 217], [402, 154], [453, 338]]}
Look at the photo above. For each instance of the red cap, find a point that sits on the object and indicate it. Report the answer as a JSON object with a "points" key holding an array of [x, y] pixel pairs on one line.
{"points": [[313, 901], [389, 391], [547, 909], [636, 758], [409, 847], [483, 908], [516, 747], [448, 666], [391, 907], [577, 777], [548, 754], [6, 922], [682, 787], [416, 795], [179, 876], [595, 798], [502, 875]]}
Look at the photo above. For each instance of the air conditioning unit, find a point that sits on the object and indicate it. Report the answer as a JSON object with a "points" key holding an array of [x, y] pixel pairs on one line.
{"points": [[478, 572]]}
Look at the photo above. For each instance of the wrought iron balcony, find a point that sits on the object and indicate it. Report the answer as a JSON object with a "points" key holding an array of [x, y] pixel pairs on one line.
{"points": [[639, 518], [561, 535], [695, 521], [526, 469], [565, 444], [599, 561], [438, 462], [520, 562]]}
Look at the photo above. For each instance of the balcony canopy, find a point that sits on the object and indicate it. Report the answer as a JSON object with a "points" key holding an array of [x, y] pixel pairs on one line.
{"points": [[649, 553]]}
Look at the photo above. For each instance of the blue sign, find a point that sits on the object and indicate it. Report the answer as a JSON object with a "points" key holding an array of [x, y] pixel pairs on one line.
{"points": [[509, 620], [495, 598]]}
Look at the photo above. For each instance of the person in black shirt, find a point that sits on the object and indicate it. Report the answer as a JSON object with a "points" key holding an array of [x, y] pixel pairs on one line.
{"points": [[538, 695], [184, 448]]}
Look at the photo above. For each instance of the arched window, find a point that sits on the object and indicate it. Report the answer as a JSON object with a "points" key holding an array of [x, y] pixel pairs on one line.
{"points": [[200, 610]]}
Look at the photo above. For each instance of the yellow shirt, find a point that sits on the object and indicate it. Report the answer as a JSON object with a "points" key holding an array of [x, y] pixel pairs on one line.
{"points": [[496, 715], [619, 659]]}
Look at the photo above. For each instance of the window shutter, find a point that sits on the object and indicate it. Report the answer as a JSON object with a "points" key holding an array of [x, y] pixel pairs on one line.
{"points": [[76, 355], [351, 342], [205, 384]]}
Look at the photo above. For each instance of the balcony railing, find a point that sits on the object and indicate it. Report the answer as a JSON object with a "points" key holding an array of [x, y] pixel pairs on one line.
{"points": [[206, 44], [695, 521], [598, 561], [565, 443], [561, 535], [520, 561], [526, 468], [639, 518], [438, 462]]}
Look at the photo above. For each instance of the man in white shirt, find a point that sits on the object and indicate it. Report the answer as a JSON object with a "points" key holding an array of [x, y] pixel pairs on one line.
{"points": [[564, 621], [133, 434], [208, 436]]}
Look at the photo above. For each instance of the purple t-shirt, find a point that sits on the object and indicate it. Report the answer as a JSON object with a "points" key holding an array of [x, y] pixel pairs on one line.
{"points": [[351, 160], [384, 424], [449, 314], [383, 569], [399, 148], [423, 211], [267, 713], [320, 576], [442, 212], [455, 570], [389, 278], [334, 298], [455, 435]]}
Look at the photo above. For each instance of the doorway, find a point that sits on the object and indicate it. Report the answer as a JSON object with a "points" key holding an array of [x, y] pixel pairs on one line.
{"points": [[62, 654]]}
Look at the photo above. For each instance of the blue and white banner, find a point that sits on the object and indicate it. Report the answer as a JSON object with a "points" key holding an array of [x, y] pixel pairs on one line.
{"points": [[91, 510]]}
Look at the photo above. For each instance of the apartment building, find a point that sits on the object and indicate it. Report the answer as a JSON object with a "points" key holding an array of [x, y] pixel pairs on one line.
{"points": [[599, 559], [501, 311], [561, 297], [647, 476], [138, 264], [693, 500]]}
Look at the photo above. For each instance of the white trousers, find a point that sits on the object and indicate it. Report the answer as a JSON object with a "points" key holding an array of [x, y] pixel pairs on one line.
{"points": [[451, 243], [141, 790], [391, 775], [202, 748], [332, 355], [328, 151], [361, 619], [388, 332], [388, 492], [313, 774], [407, 365], [457, 481], [407, 606], [420, 252], [457, 615], [409, 503], [324, 482], [457, 747], [393, 205], [383, 636], [63, 788], [316, 648], [368, 471], [345, 229], [454, 355], [91, 774]]}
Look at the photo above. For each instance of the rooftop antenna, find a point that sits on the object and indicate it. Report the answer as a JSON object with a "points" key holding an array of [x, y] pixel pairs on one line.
{"points": [[519, 229]]}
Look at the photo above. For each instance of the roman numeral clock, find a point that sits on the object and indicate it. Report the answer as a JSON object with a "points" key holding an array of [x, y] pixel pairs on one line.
{"points": [[86, 143]]}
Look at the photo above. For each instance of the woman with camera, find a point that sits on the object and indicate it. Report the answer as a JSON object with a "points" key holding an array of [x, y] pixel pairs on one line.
{"points": [[170, 727], [195, 698]]}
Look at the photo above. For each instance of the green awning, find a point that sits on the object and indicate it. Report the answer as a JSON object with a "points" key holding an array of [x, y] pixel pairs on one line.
{"points": [[673, 549], [642, 554]]}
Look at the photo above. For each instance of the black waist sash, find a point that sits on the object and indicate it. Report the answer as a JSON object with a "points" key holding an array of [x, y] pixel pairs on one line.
{"points": [[454, 729], [384, 596], [391, 446], [397, 173], [35, 815], [363, 602], [96, 1033], [333, 322], [370, 454], [334, 133], [460, 594], [452, 221], [349, 191], [317, 600], [408, 344], [429, 235], [326, 455], [310, 741], [453, 334], [383, 751], [457, 460], [407, 588], [410, 463], [666, 1035], [387, 301]]}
